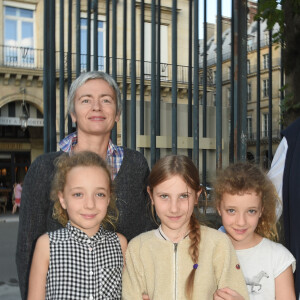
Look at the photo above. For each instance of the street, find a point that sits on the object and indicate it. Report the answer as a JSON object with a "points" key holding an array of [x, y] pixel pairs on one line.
{"points": [[9, 288]]}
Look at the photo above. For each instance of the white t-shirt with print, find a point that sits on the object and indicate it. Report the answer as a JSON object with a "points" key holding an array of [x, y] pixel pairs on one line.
{"points": [[261, 265]]}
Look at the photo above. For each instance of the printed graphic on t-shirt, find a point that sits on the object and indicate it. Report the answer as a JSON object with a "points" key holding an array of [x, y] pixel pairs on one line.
{"points": [[255, 283]]}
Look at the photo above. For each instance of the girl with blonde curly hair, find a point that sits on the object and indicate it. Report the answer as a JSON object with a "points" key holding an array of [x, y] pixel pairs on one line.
{"points": [[246, 199], [83, 260]]}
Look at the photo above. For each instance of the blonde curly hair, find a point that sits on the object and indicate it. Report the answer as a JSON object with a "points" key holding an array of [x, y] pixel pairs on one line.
{"points": [[64, 163], [243, 177]]}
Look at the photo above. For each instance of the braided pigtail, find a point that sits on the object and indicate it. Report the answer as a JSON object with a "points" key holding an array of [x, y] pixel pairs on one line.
{"points": [[194, 253]]}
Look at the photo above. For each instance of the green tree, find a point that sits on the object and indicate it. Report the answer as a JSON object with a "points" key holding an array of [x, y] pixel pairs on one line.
{"points": [[287, 14]]}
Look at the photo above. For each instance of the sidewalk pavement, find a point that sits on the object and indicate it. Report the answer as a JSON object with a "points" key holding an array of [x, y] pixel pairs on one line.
{"points": [[9, 286], [9, 217]]}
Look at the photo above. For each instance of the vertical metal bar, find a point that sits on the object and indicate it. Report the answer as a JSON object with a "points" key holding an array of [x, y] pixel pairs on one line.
{"points": [[153, 84], [107, 64], [232, 81], [270, 154], [124, 78], [190, 74], [52, 86], [219, 88], [142, 80], [61, 72], [88, 37], [174, 76], [158, 70], [196, 86], [95, 36], [133, 76], [281, 83], [114, 39], [78, 46], [236, 106], [46, 77], [114, 58], [258, 93], [204, 97], [69, 58], [243, 76]]}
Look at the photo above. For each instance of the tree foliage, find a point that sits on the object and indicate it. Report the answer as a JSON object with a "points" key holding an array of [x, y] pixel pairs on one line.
{"points": [[287, 14]]}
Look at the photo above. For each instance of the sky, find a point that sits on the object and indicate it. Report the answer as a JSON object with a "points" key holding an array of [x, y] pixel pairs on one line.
{"points": [[212, 12], [212, 9], [211, 6]]}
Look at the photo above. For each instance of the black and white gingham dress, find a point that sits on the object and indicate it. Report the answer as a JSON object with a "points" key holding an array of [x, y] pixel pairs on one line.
{"points": [[84, 268]]}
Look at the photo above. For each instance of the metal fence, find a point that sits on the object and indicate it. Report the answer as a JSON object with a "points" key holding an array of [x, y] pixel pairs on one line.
{"points": [[196, 74]]}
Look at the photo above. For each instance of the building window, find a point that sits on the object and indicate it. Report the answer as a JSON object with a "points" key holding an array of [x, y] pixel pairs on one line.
{"points": [[265, 124], [266, 61], [266, 88], [267, 35], [249, 127], [214, 99], [163, 50], [248, 67], [200, 99], [250, 44], [229, 72], [229, 95], [214, 77], [249, 92], [201, 80], [18, 35], [12, 109], [83, 44]]}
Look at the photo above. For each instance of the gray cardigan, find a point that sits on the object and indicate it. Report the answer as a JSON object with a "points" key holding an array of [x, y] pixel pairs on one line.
{"points": [[36, 208]]}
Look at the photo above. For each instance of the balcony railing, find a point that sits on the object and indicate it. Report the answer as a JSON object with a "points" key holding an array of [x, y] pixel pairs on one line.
{"points": [[264, 134], [30, 58], [252, 69], [226, 55], [20, 57]]}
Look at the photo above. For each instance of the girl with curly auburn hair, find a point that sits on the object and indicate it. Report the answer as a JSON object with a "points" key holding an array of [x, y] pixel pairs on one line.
{"points": [[92, 255], [245, 198]]}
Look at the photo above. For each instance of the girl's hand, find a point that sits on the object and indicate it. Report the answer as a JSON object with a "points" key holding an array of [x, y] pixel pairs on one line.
{"points": [[145, 297], [227, 294]]}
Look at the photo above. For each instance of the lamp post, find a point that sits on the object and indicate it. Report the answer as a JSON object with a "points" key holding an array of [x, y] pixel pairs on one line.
{"points": [[25, 113]]}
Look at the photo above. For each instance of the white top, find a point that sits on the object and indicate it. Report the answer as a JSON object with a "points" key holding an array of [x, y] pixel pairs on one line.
{"points": [[276, 172], [261, 265]]}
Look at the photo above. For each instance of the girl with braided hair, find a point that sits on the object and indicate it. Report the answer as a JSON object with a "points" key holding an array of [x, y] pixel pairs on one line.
{"points": [[181, 259]]}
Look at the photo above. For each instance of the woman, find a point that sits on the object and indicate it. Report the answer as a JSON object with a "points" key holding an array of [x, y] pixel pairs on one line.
{"points": [[94, 104]]}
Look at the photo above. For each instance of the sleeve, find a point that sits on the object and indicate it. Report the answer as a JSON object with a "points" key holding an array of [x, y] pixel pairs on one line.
{"points": [[227, 268], [133, 281], [32, 217], [276, 172], [283, 258], [132, 200]]}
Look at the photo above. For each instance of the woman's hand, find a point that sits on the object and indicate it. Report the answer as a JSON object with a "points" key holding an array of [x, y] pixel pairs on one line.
{"points": [[227, 294]]}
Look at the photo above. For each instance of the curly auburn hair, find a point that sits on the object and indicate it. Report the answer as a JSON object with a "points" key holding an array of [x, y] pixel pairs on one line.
{"points": [[240, 178], [64, 164], [181, 165]]}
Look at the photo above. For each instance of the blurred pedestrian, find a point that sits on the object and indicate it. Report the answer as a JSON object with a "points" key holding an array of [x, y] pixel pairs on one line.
{"points": [[17, 191]]}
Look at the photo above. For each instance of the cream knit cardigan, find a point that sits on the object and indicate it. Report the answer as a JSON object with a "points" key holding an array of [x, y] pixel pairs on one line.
{"points": [[154, 266]]}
